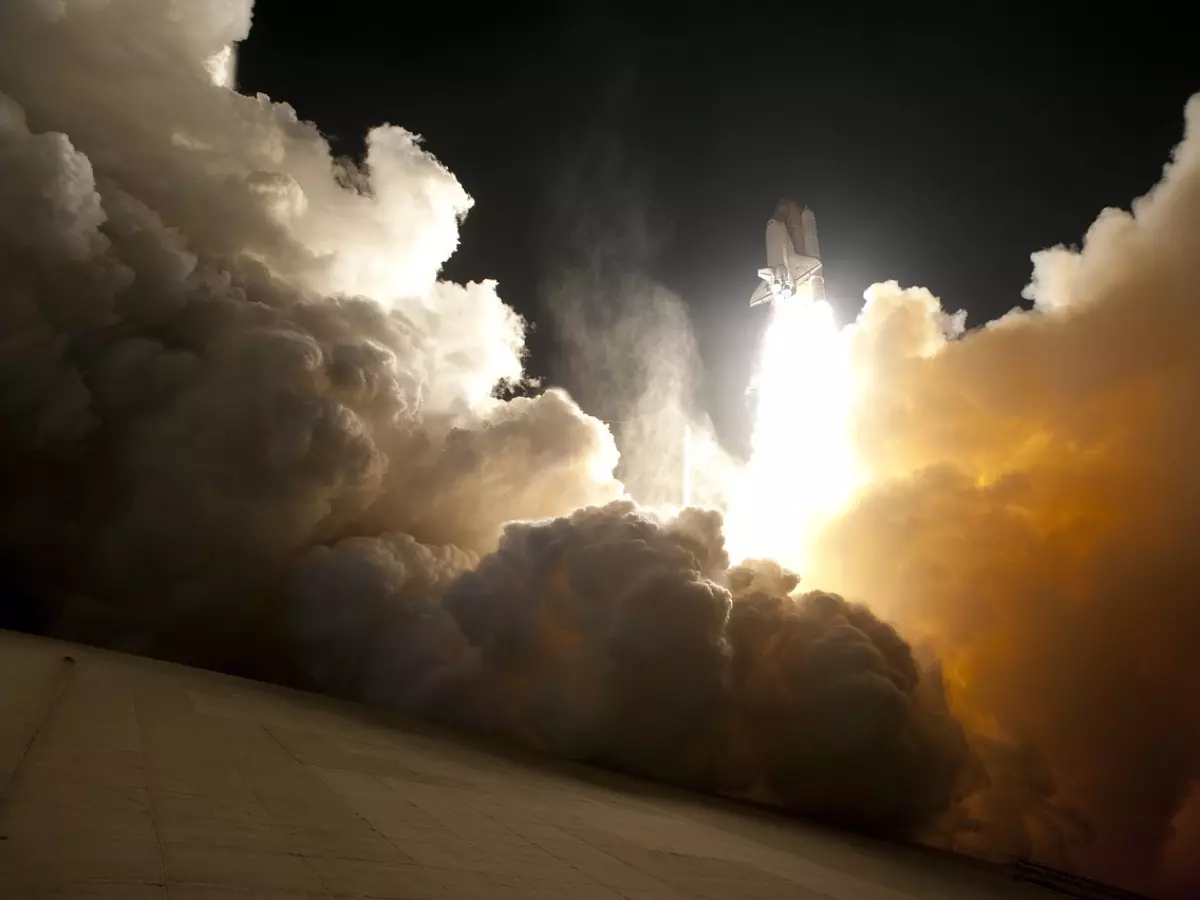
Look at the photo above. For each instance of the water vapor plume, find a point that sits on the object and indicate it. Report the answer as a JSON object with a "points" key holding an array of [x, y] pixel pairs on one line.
{"points": [[627, 346], [1032, 517]]}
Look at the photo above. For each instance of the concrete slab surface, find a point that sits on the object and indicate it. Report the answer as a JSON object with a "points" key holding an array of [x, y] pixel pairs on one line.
{"points": [[122, 777]]}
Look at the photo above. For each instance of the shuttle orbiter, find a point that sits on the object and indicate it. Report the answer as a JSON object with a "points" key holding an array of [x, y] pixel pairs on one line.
{"points": [[793, 256]]}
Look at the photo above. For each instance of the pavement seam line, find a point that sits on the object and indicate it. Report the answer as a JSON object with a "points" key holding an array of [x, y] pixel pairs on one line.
{"points": [[66, 673]]}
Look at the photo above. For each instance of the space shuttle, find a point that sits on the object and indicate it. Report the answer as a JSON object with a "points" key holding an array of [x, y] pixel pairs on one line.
{"points": [[793, 257]]}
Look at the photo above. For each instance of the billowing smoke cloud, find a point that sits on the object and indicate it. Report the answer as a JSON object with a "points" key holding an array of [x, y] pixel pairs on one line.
{"points": [[1034, 519], [221, 347], [617, 636], [243, 424], [846, 724]]}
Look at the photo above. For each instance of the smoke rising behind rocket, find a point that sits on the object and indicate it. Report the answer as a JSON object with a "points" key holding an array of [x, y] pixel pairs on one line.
{"points": [[244, 425]]}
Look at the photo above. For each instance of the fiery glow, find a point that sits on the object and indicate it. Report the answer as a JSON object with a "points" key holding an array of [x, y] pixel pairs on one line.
{"points": [[222, 67], [803, 468]]}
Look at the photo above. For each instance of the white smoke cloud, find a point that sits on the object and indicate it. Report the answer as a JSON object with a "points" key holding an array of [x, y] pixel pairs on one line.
{"points": [[222, 346]]}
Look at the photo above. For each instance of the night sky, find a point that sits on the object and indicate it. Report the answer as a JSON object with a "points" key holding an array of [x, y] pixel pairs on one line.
{"points": [[938, 151]]}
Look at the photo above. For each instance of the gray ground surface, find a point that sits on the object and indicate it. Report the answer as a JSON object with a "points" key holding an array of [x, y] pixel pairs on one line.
{"points": [[125, 777]]}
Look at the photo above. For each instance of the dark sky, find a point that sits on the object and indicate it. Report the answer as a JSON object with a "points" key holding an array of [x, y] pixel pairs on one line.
{"points": [[936, 149]]}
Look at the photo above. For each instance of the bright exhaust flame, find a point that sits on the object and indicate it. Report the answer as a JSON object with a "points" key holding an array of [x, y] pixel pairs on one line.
{"points": [[803, 468]]}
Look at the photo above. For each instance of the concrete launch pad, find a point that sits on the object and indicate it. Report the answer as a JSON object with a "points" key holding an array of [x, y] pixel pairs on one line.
{"points": [[125, 777]]}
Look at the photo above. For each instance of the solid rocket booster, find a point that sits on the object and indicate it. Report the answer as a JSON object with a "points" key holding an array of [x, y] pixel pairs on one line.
{"points": [[808, 230], [808, 224]]}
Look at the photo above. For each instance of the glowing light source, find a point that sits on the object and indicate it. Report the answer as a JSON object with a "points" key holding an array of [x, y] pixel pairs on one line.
{"points": [[222, 67], [803, 469]]}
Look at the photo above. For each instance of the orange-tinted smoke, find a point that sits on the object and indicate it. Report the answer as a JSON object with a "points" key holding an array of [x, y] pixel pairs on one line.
{"points": [[1035, 518]]}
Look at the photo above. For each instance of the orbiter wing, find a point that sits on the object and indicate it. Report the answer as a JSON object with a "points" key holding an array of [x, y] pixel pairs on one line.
{"points": [[761, 294]]}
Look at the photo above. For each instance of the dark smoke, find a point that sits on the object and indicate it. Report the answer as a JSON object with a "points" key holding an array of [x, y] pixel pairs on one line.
{"points": [[845, 724], [622, 638]]}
